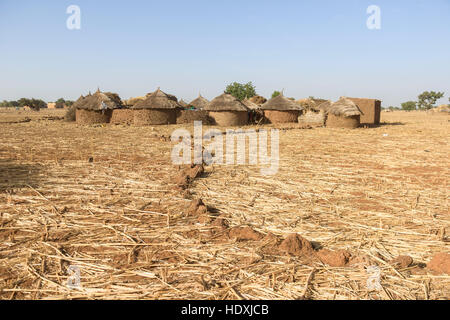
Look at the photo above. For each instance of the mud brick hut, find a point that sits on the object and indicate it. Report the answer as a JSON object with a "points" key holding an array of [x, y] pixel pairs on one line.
{"points": [[343, 113], [157, 108], [315, 111], [96, 108], [281, 110], [370, 108], [122, 116], [226, 110], [195, 112]]}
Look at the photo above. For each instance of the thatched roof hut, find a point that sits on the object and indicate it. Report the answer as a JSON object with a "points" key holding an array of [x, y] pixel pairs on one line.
{"points": [[343, 113], [281, 110], [226, 110], [99, 101], [200, 103], [315, 111], [97, 107], [157, 108]]}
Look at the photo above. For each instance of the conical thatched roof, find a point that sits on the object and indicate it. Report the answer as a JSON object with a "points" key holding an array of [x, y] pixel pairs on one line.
{"points": [[281, 103], [226, 102], [99, 101], [200, 102], [183, 103], [158, 100], [344, 108], [251, 105]]}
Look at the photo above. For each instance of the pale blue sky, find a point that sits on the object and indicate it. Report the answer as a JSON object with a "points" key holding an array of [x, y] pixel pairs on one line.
{"points": [[316, 48]]}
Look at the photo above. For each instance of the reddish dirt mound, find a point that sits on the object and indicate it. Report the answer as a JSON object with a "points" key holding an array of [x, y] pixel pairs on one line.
{"points": [[244, 233], [440, 263], [402, 262], [196, 208], [220, 222], [296, 245], [270, 244], [339, 258], [187, 175]]}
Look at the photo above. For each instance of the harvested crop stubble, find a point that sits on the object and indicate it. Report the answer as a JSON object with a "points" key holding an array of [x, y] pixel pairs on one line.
{"points": [[121, 220]]}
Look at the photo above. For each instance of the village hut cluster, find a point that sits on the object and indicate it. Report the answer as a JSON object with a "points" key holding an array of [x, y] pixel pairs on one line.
{"points": [[160, 108]]}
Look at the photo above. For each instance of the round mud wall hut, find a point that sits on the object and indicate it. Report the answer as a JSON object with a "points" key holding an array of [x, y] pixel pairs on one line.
{"points": [[342, 122], [194, 111], [158, 108], [96, 108], [343, 113], [122, 116], [189, 116], [226, 110], [281, 110]]}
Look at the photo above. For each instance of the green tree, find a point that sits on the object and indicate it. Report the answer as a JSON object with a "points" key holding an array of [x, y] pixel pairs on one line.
{"points": [[241, 91], [69, 103], [35, 104], [9, 104], [275, 94], [60, 103], [427, 99], [410, 105]]}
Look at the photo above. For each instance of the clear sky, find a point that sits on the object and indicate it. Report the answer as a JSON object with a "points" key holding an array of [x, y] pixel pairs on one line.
{"points": [[319, 48]]}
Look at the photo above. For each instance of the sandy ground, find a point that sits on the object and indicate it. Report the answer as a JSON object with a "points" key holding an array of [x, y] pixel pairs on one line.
{"points": [[102, 200]]}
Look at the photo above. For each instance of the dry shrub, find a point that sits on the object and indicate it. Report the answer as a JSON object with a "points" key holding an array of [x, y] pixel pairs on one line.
{"points": [[70, 114]]}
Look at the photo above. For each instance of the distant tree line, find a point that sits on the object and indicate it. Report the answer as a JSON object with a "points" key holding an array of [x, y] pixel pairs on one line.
{"points": [[61, 103], [33, 103], [426, 101]]}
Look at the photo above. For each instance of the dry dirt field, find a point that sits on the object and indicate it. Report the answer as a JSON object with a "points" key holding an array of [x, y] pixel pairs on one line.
{"points": [[104, 200]]}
